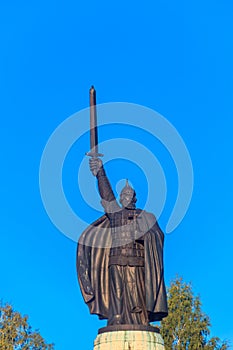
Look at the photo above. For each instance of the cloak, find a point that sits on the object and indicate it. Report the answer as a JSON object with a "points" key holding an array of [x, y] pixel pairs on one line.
{"points": [[93, 262]]}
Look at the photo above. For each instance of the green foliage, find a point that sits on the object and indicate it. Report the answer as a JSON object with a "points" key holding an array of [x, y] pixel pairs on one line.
{"points": [[186, 326], [17, 334]]}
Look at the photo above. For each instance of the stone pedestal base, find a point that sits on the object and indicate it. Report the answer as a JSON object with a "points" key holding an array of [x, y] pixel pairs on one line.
{"points": [[129, 340]]}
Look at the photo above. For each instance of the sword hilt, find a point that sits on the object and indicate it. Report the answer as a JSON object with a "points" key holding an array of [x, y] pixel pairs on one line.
{"points": [[94, 154]]}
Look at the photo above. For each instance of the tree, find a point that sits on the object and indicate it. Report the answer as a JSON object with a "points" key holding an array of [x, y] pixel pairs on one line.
{"points": [[186, 327], [17, 334]]}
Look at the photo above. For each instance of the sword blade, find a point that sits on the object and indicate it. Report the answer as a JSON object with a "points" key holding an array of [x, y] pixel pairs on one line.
{"points": [[93, 121], [93, 125]]}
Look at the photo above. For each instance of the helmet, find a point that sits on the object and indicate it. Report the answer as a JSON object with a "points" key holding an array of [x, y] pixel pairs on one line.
{"points": [[128, 196]]}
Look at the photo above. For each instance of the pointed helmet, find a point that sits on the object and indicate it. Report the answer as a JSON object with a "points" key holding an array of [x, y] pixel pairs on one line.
{"points": [[128, 191]]}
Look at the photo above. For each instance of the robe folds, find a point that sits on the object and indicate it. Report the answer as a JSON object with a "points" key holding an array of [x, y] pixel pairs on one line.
{"points": [[93, 266]]}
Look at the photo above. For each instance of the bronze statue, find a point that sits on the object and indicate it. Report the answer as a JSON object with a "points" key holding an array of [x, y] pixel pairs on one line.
{"points": [[120, 256]]}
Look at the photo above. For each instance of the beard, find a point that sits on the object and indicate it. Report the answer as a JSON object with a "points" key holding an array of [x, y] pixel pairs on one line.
{"points": [[128, 204]]}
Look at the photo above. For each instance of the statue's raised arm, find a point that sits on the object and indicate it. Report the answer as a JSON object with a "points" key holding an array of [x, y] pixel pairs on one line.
{"points": [[108, 199]]}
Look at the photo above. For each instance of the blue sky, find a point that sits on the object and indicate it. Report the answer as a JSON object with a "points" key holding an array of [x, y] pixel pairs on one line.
{"points": [[172, 56]]}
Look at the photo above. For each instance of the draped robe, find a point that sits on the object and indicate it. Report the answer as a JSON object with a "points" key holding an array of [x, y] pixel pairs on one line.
{"points": [[122, 292]]}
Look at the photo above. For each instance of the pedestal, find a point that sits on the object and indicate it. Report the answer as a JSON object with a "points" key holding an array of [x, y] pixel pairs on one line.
{"points": [[129, 339]]}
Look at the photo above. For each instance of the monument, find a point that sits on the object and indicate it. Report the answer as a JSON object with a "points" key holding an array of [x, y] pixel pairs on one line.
{"points": [[120, 264]]}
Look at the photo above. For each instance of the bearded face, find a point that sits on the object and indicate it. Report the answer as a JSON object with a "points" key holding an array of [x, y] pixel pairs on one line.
{"points": [[128, 198]]}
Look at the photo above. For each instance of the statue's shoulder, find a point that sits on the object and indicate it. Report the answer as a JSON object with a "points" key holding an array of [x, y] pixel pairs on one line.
{"points": [[145, 218], [145, 214], [95, 232], [100, 220]]}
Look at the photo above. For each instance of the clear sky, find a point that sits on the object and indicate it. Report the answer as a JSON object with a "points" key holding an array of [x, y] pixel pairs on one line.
{"points": [[175, 57]]}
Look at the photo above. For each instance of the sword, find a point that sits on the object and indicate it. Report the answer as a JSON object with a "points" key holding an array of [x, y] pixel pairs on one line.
{"points": [[93, 126]]}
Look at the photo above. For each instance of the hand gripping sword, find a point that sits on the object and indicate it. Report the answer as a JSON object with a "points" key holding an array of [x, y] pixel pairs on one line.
{"points": [[93, 126]]}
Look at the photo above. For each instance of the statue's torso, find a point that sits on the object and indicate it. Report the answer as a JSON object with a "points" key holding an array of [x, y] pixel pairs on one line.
{"points": [[126, 248]]}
